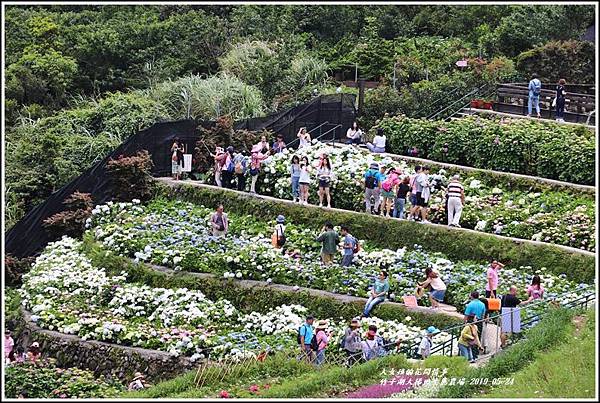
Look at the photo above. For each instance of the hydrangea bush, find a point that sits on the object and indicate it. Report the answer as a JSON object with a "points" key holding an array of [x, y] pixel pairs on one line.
{"points": [[552, 216], [176, 234], [66, 293]]}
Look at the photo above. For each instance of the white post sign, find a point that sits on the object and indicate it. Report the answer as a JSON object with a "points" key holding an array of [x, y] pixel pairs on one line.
{"points": [[187, 163]]}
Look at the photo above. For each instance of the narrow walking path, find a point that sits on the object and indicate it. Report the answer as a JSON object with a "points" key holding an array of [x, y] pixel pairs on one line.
{"points": [[387, 387]]}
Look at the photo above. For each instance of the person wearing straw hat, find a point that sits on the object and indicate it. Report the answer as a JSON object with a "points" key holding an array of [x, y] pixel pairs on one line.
{"points": [[138, 382], [278, 237], [322, 340], [426, 342]]}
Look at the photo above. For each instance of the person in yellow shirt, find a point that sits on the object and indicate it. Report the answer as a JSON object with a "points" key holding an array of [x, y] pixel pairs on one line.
{"points": [[469, 339]]}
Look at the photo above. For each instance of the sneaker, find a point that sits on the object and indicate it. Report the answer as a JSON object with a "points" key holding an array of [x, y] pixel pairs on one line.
{"points": [[426, 222], [528, 115], [320, 204], [329, 206]]}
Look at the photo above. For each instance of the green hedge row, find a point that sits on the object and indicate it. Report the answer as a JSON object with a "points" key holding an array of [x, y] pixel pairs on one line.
{"points": [[259, 299], [551, 331], [392, 234], [529, 147]]}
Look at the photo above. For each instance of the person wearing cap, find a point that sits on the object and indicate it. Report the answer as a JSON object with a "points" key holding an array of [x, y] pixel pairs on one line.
{"points": [[279, 144], [278, 236], [138, 382], [455, 193], [322, 340], [34, 353], [373, 179], [492, 279], [306, 333], [378, 144], [426, 342], [351, 343], [219, 222]]}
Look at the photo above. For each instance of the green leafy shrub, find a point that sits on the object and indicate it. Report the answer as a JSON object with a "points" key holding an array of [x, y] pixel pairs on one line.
{"points": [[45, 380], [520, 146], [572, 60], [131, 176], [71, 221]]}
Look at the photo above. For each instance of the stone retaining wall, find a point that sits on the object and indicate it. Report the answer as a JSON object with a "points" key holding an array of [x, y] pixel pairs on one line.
{"points": [[108, 359]]}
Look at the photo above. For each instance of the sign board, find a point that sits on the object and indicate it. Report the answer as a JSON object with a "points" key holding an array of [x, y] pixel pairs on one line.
{"points": [[461, 63], [410, 301], [187, 163]]}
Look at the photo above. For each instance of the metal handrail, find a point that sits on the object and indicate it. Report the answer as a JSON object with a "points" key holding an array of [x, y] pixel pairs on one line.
{"points": [[475, 91], [332, 129], [587, 122], [308, 131]]}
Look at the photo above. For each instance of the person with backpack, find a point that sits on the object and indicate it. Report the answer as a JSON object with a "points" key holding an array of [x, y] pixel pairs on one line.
{"points": [[294, 170], [378, 293], [424, 349], [278, 237], [388, 191], [350, 246], [372, 186], [306, 339], [403, 190], [219, 222], [560, 99], [351, 342], [369, 346], [228, 168], [322, 338], [535, 89], [239, 169]]}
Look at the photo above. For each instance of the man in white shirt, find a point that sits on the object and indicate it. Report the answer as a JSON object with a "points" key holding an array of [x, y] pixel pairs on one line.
{"points": [[378, 145], [456, 200], [426, 343]]}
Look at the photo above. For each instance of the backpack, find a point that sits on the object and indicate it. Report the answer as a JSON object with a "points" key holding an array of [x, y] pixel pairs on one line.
{"points": [[313, 342], [537, 89], [279, 239], [387, 186], [239, 168], [230, 166], [371, 180], [356, 248]]}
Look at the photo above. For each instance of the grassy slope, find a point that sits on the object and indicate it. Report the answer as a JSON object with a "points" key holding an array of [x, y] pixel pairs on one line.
{"points": [[553, 376]]}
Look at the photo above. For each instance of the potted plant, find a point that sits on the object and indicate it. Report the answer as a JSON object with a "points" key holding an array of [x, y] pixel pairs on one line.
{"points": [[477, 103]]}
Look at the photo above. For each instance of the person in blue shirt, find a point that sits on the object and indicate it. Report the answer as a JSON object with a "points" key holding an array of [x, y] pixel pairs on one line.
{"points": [[306, 334], [349, 245], [373, 179], [378, 293], [476, 308], [535, 89]]}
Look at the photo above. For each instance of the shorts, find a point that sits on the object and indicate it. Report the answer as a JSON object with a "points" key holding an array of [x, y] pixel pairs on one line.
{"points": [[327, 257], [438, 295], [304, 183], [175, 167], [420, 201], [323, 183], [413, 199], [254, 171], [389, 195]]}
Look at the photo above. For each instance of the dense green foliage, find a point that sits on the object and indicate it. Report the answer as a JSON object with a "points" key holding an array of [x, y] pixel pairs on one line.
{"points": [[572, 60], [554, 329], [521, 146], [45, 380], [397, 233]]}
